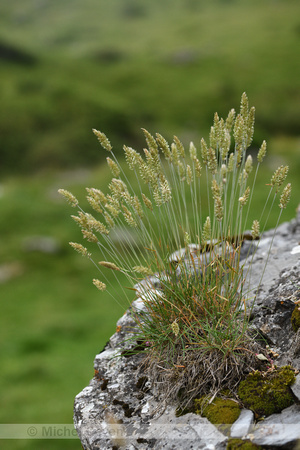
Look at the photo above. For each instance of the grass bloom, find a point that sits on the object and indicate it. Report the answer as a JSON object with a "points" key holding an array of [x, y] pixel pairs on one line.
{"points": [[108, 265], [285, 196], [69, 197], [103, 140], [99, 284], [188, 216], [80, 249], [255, 229]]}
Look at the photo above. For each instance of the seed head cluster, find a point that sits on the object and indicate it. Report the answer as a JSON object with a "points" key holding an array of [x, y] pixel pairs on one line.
{"points": [[197, 200]]}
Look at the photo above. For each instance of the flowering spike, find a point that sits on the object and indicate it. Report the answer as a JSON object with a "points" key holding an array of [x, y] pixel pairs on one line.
{"points": [[175, 328], [109, 265], [80, 249], [279, 176], [113, 167], [99, 284], [143, 270], [262, 152], [69, 197], [285, 196], [103, 140], [255, 229]]}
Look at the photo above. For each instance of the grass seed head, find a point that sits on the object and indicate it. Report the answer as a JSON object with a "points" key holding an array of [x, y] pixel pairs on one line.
{"points": [[147, 202], [285, 196], [204, 152], [69, 197], [192, 151], [175, 328], [243, 200], [164, 146], [255, 229], [279, 176], [103, 140], [145, 271], [99, 284], [262, 152], [192, 277], [109, 265], [230, 120], [80, 249], [113, 167]]}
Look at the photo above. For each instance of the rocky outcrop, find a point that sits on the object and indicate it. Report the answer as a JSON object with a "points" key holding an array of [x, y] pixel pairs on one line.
{"points": [[120, 409]]}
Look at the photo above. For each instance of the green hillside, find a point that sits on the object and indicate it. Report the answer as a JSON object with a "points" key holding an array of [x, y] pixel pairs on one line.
{"points": [[69, 66], [116, 65]]}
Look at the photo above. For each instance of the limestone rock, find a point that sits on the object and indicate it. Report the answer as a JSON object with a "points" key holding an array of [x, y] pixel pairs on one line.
{"points": [[241, 427], [296, 387], [279, 430], [119, 408]]}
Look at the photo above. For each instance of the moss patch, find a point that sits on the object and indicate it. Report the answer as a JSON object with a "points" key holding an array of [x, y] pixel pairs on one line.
{"points": [[235, 444], [221, 412], [295, 319], [267, 393]]}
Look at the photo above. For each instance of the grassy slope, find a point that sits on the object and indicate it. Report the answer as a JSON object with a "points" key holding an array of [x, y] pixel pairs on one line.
{"points": [[119, 66], [54, 320]]}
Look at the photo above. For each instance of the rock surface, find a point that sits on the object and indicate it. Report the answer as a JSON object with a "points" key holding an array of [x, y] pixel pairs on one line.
{"points": [[280, 430], [119, 409], [243, 424], [296, 387]]}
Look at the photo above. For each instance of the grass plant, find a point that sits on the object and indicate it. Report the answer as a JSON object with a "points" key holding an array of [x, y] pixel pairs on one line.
{"points": [[188, 213]]}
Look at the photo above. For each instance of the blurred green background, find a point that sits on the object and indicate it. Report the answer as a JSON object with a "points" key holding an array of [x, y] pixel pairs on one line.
{"points": [[67, 67]]}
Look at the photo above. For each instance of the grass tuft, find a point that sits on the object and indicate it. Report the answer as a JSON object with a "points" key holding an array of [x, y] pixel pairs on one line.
{"points": [[189, 214]]}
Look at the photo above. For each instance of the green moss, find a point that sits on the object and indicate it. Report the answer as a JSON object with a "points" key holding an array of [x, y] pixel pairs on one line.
{"points": [[235, 444], [221, 412], [267, 393], [295, 319]]}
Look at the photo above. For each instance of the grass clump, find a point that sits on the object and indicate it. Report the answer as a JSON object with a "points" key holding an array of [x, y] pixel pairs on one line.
{"points": [[188, 214]]}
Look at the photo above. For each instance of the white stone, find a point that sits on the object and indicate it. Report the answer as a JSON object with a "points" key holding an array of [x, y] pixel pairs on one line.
{"points": [[145, 408], [279, 429], [296, 387], [264, 242], [241, 427], [87, 409], [151, 295], [108, 354], [86, 391], [295, 250], [138, 305], [124, 320], [150, 282], [184, 431], [113, 386], [178, 255]]}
